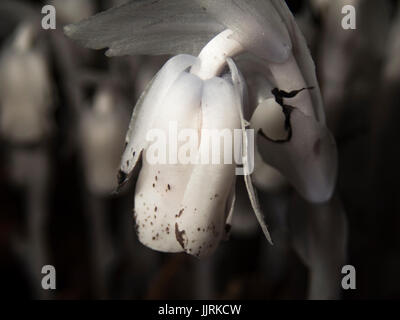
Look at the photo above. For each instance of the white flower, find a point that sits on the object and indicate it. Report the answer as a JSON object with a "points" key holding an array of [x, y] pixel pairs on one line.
{"points": [[25, 89], [182, 207], [101, 133], [185, 207]]}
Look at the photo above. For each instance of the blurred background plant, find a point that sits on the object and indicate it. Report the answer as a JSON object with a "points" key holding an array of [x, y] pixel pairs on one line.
{"points": [[63, 107]]}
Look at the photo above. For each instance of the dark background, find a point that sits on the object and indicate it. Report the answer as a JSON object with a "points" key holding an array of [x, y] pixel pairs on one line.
{"points": [[363, 115]]}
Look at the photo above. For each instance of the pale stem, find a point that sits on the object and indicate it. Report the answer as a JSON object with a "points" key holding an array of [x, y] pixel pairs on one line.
{"points": [[212, 58], [287, 75]]}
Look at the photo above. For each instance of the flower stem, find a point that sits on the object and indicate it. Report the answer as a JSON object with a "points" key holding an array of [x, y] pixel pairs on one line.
{"points": [[212, 58]]}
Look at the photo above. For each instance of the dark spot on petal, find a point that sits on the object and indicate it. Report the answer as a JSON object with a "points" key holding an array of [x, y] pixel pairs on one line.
{"points": [[121, 177], [180, 236], [169, 187], [155, 209], [180, 213]]}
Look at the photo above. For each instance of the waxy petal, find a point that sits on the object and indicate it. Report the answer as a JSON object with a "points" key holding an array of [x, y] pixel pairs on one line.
{"points": [[303, 58], [208, 197], [160, 187], [308, 159], [186, 207], [147, 107]]}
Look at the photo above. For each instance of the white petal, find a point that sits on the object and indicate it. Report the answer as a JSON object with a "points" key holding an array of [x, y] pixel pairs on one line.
{"points": [[269, 113], [303, 58], [208, 197], [308, 160], [148, 106], [289, 77], [161, 187]]}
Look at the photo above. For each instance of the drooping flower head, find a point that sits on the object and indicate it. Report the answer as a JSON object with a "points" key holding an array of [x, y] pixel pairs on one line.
{"points": [[186, 207]]}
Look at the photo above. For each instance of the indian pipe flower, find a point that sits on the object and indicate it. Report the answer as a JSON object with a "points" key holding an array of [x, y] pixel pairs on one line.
{"points": [[186, 207], [26, 98]]}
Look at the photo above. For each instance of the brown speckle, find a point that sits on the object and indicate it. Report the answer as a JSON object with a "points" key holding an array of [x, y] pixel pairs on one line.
{"points": [[155, 209], [168, 187], [180, 236], [180, 213], [121, 177]]}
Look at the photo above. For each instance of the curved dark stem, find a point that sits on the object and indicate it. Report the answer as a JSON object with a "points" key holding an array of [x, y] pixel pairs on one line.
{"points": [[280, 94], [286, 109]]}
